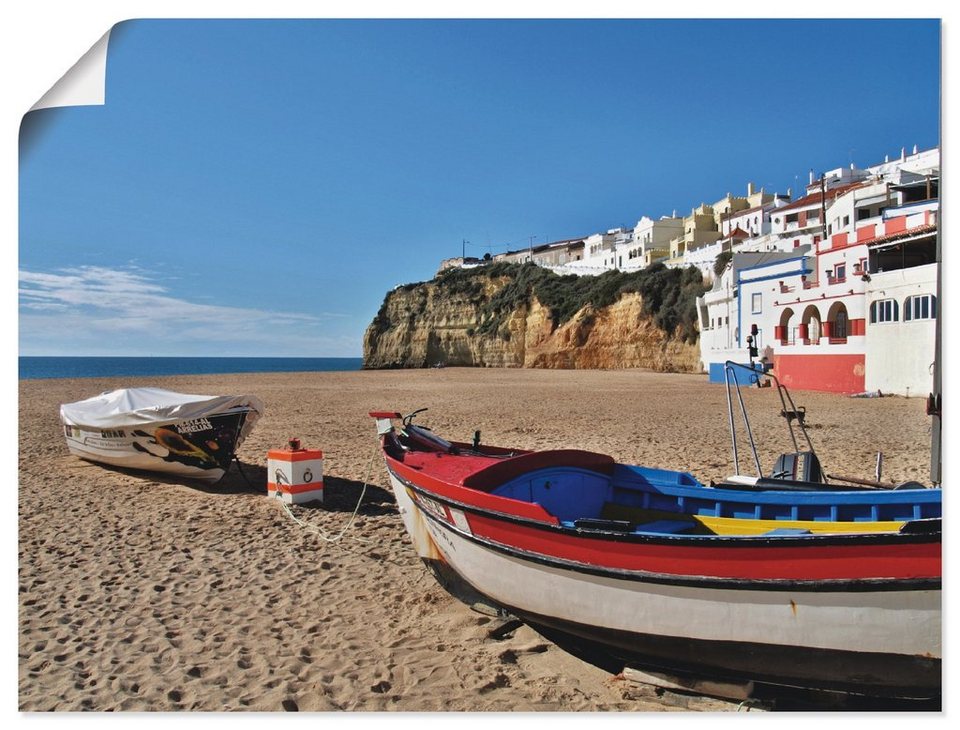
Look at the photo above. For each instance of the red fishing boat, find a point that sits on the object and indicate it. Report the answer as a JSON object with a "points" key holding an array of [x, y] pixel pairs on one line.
{"points": [[571, 540]]}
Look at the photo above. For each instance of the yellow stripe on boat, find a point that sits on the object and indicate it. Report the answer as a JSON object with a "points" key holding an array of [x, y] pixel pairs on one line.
{"points": [[747, 526], [744, 525]]}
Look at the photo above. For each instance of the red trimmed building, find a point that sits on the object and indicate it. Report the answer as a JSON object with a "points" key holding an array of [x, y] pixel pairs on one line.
{"points": [[848, 302]]}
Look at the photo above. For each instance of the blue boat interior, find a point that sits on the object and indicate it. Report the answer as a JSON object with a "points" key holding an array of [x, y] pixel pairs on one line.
{"points": [[643, 499]]}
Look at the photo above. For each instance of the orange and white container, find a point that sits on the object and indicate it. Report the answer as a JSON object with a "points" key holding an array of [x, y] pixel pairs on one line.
{"points": [[295, 474]]}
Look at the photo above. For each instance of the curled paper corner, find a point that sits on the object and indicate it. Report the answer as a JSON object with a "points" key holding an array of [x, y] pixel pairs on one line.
{"points": [[85, 84]]}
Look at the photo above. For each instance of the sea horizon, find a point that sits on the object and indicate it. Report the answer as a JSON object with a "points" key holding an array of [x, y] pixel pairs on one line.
{"points": [[40, 367]]}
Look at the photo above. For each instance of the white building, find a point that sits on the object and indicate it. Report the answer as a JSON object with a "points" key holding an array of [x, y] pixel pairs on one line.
{"points": [[651, 240], [605, 251], [902, 309], [853, 313]]}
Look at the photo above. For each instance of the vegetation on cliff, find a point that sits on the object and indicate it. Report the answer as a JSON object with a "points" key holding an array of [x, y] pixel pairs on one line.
{"points": [[669, 295]]}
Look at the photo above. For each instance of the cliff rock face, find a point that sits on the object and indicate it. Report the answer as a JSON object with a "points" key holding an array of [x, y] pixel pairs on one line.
{"points": [[425, 324]]}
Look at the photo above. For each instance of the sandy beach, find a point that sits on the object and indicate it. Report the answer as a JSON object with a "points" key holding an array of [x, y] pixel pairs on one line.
{"points": [[139, 593]]}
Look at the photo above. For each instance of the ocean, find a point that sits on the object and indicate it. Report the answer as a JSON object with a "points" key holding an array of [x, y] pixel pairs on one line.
{"points": [[134, 367]]}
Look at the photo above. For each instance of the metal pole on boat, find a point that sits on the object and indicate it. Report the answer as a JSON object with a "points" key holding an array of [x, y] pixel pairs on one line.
{"points": [[733, 430], [791, 413], [728, 369]]}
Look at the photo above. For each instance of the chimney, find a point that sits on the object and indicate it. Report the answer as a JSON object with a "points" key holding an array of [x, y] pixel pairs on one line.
{"points": [[811, 177], [886, 158], [789, 193], [914, 149], [749, 189], [903, 154]]}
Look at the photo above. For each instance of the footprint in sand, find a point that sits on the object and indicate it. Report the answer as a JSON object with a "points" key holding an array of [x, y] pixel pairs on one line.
{"points": [[381, 687]]}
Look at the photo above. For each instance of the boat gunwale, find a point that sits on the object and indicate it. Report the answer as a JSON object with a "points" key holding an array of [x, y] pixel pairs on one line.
{"points": [[825, 585], [744, 541]]}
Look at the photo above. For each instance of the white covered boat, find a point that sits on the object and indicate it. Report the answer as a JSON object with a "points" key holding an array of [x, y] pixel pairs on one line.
{"points": [[158, 430]]}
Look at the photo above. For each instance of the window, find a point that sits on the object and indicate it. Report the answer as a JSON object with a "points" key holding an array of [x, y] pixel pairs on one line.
{"points": [[863, 214], [756, 303], [840, 326], [920, 307], [846, 221], [840, 272], [884, 310]]}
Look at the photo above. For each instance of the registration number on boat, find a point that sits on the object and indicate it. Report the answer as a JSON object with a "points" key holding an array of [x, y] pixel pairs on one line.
{"points": [[198, 424], [434, 507]]}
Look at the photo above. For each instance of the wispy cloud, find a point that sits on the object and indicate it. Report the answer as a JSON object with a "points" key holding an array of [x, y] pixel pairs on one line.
{"points": [[102, 309]]}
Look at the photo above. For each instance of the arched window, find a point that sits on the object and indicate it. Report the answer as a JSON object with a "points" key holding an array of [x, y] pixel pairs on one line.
{"points": [[923, 306], [786, 332], [809, 330], [840, 325], [884, 310], [837, 322]]}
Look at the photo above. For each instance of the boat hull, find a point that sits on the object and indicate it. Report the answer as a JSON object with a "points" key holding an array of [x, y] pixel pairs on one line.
{"points": [[198, 448], [845, 635]]}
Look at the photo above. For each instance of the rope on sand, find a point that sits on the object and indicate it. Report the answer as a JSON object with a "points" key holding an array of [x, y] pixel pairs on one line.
{"points": [[319, 531]]}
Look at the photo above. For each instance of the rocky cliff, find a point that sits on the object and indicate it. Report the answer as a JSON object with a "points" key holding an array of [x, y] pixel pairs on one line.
{"points": [[524, 316]]}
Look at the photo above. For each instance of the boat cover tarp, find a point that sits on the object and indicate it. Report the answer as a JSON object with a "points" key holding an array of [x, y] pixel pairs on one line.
{"points": [[129, 407]]}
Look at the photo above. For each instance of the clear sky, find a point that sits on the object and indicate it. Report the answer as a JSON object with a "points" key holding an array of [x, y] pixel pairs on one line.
{"points": [[256, 187]]}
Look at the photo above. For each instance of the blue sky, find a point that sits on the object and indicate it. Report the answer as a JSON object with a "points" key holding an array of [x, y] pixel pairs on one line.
{"points": [[256, 187]]}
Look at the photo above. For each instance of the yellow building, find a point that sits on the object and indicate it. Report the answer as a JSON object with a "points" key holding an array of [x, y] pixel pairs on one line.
{"points": [[699, 229]]}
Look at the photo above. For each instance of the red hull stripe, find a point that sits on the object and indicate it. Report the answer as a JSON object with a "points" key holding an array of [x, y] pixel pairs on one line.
{"points": [[855, 585], [764, 562]]}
